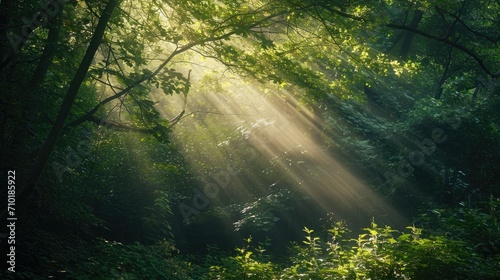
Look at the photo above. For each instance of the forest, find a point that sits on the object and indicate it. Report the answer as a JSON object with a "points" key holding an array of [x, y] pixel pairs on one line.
{"points": [[250, 139]]}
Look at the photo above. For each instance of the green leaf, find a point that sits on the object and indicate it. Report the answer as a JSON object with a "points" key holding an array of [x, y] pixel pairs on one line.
{"points": [[404, 237]]}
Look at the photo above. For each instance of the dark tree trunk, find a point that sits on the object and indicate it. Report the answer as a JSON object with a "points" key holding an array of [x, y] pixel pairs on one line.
{"points": [[67, 103], [22, 130], [4, 40], [48, 51], [405, 47]]}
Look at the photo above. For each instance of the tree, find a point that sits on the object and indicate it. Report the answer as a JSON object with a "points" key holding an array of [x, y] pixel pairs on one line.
{"points": [[67, 103]]}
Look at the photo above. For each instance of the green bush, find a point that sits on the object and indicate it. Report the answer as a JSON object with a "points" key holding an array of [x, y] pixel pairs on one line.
{"points": [[114, 260], [459, 243], [378, 253], [248, 263]]}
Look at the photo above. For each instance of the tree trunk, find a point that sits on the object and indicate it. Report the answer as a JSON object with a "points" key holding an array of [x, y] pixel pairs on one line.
{"points": [[405, 47], [48, 51], [5, 18], [31, 100], [67, 103]]}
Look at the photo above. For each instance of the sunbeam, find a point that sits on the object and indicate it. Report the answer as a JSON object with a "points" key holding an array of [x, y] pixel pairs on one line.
{"points": [[236, 123]]}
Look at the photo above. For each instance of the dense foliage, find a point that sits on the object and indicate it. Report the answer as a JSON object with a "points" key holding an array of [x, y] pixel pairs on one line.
{"points": [[151, 138]]}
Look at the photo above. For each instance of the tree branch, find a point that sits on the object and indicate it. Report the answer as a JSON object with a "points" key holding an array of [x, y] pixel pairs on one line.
{"points": [[479, 34], [118, 126], [66, 105], [144, 78], [455, 45], [343, 14]]}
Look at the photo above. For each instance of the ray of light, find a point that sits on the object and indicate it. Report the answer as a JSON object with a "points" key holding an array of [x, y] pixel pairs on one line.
{"points": [[278, 131]]}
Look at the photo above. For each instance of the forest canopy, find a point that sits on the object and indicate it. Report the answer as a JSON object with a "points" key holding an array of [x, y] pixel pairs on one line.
{"points": [[250, 139]]}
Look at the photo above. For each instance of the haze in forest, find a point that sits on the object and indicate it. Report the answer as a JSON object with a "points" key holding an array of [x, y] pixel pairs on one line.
{"points": [[250, 139]]}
